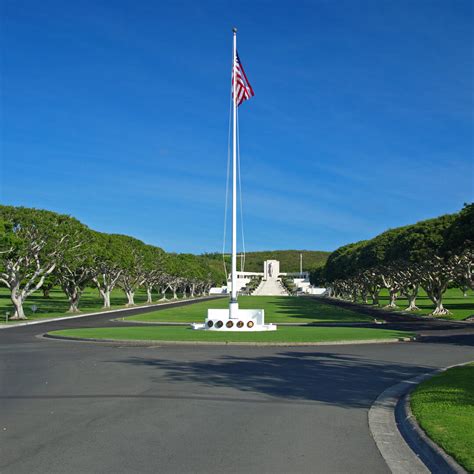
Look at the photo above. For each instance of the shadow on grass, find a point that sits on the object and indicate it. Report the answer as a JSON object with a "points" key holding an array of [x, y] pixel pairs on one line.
{"points": [[341, 380], [309, 308], [57, 303]]}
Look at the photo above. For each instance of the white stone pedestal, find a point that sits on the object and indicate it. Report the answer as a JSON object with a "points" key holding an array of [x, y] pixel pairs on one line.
{"points": [[235, 319]]}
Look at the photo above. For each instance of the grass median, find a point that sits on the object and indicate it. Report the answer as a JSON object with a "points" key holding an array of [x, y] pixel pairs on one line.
{"points": [[278, 309], [444, 408], [281, 335]]}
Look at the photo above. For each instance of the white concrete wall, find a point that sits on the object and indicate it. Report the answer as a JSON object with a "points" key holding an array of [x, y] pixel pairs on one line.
{"points": [[317, 291], [218, 290]]}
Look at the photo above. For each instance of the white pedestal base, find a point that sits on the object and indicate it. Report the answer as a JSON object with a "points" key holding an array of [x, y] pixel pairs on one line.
{"points": [[235, 319]]}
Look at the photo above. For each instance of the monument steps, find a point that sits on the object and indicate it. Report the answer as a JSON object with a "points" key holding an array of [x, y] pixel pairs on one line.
{"points": [[270, 287]]}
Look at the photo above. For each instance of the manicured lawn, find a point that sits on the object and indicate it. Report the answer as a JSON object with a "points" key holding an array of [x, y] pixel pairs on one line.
{"points": [[444, 408], [57, 304], [282, 334], [460, 306], [278, 309]]}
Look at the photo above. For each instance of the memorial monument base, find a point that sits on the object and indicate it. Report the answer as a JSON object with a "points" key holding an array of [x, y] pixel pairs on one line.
{"points": [[235, 319]]}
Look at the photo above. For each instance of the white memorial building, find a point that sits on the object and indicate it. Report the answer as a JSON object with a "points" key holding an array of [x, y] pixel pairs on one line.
{"points": [[270, 284]]}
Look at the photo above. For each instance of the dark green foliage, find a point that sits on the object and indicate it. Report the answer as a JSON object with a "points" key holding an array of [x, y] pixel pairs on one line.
{"points": [[41, 248], [412, 244], [460, 236], [432, 254], [289, 260]]}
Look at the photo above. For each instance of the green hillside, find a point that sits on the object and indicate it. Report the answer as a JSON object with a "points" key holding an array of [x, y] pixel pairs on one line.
{"points": [[289, 260]]}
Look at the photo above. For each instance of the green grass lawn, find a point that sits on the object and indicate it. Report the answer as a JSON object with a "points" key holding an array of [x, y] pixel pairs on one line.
{"points": [[57, 304], [444, 408], [278, 309], [282, 334], [460, 306]]}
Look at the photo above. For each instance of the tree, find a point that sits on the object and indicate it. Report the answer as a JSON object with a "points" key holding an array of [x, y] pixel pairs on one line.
{"points": [[410, 285], [131, 258], [162, 284], [107, 268], [435, 276], [431, 253], [153, 260], [317, 277], [75, 268], [32, 243]]}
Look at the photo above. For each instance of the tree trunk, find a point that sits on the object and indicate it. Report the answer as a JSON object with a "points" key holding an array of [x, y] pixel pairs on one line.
{"points": [[163, 294], [74, 298], [73, 307], [375, 297], [17, 301], [46, 291], [105, 294], [436, 296], [175, 296], [149, 298], [440, 310], [354, 295], [192, 287], [130, 297], [412, 303], [393, 299]]}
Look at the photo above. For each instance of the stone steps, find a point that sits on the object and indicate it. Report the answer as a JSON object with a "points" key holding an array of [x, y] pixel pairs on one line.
{"points": [[270, 287]]}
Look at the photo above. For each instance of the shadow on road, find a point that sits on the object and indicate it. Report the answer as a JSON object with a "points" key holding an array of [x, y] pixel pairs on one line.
{"points": [[342, 380]]}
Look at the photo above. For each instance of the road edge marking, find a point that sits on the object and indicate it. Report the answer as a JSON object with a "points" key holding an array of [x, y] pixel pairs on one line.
{"points": [[108, 312]]}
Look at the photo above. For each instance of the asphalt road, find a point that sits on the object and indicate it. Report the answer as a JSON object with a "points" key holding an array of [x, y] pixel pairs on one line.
{"points": [[74, 407]]}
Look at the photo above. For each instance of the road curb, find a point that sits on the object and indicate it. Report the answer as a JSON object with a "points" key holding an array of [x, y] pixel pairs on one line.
{"points": [[131, 342], [330, 325], [108, 312], [401, 442]]}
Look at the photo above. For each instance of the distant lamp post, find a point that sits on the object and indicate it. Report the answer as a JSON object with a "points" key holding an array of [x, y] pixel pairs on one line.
{"points": [[7, 314]]}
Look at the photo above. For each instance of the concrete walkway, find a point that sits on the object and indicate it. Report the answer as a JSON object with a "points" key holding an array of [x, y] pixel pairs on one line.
{"points": [[270, 287]]}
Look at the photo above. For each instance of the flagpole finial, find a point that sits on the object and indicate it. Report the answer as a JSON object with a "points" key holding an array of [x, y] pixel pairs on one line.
{"points": [[234, 29]]}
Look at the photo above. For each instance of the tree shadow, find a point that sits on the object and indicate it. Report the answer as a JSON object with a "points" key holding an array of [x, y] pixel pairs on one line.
{"points": [[309, 308], [296, 376], [454, 338]]}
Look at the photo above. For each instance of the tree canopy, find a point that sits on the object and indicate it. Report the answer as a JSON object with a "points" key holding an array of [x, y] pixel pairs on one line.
{"points": [[433, 254]]}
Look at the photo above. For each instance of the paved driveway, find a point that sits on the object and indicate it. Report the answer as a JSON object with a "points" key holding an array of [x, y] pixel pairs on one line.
{"points": [[72, 407]]}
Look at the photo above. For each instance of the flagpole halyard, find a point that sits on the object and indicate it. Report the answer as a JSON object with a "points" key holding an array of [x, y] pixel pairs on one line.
{"points": [[233, 301]]}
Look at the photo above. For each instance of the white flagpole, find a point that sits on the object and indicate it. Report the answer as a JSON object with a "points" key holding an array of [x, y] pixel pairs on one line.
{"points": [[233, 300]]}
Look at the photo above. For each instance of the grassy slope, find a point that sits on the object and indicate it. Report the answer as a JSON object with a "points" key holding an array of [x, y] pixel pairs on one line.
{"points": [[57, 303], [454, 300], [278, 309], [284, 334], [444, 407], [289, 259]]}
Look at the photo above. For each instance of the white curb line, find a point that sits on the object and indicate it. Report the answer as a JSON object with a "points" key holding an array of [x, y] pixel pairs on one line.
{"points": [[109, 312]]}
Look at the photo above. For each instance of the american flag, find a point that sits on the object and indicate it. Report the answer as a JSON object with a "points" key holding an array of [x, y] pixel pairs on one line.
{"points": [[243, 89]]}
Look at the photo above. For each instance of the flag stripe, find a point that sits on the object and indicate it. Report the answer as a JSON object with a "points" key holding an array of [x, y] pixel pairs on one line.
{"points": [[243, 89]]}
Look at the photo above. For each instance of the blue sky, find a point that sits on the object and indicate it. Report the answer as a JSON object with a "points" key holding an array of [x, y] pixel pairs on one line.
{"points": [[116, 112]]}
